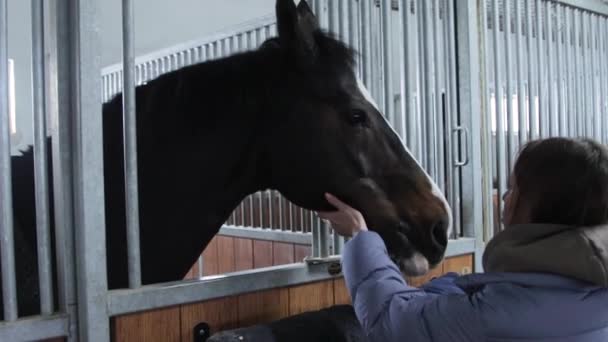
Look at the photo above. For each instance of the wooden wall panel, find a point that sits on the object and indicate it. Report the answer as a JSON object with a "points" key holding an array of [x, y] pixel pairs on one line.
{"points": [[210, 258], [174, 324], [220, 314], [161, 325], [225, 251], [282, 253], [301, 252], [263, 307], [243, 254], [341, 295], [311, 297], [262, 253], [461, 264]]}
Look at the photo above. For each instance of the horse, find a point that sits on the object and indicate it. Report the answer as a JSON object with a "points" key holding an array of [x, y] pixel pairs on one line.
{"points": [[290, 115]]}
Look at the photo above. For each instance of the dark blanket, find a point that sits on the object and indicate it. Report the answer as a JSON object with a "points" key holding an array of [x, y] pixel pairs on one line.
{"points": [[335, 324]]}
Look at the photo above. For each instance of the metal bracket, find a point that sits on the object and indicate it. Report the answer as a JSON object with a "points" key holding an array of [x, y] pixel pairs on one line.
{"points": [[465, 149], [334, 263]]}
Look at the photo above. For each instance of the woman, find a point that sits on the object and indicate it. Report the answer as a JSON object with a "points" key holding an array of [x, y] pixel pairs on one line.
{"points": [[546, 274]]}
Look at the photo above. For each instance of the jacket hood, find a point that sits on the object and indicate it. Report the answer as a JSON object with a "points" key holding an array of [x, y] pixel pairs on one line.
{"points": [[576, 252]]}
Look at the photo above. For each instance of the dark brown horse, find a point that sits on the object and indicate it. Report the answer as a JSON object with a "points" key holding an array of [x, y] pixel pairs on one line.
{"points": [[290, 116]]}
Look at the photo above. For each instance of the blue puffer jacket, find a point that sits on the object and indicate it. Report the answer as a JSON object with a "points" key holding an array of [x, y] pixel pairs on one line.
{"points": [[543, 283]]}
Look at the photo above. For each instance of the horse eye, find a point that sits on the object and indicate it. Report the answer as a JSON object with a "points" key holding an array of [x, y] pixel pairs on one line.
{"points": [[358, 117]]}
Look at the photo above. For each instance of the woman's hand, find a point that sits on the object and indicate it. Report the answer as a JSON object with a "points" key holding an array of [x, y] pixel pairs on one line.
{"points": [[346, 220]]}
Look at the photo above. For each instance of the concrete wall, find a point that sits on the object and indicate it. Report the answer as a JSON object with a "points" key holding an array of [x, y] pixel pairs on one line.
{"points": [[158, 24]]}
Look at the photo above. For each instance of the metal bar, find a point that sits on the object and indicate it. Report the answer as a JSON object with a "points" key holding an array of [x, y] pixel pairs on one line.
{"points": [[176, 293], [532, 71], [354, 37], [345, 22], [587, 112], [334, 17], [324, 239], [389, 92], [429, 83], [560, 96], [408, 109], [521, 88], [130, 142], [88, 178], [540, 63], [40, 161], [316, 233], [500, 151], [35, 328], [604, 25], [571, 85], [552, 117], [301, 238], [580, 126], [270, 211], [59, 96], [7, 246], [454, 175], [438, 122], [338, 244], [597, 124], [509, 86], [366, 43]]}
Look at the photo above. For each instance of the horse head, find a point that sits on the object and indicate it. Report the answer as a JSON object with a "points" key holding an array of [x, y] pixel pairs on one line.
{"points": [[327, 135]]}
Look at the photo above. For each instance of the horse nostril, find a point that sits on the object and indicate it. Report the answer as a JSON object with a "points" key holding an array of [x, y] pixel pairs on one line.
{"points": [[439, 234]]}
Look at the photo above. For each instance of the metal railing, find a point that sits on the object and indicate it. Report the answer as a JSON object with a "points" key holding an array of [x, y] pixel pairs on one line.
{"points": [[546, 75]]}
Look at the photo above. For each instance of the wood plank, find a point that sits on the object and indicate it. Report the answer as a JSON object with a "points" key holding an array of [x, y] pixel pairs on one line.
{"points": [[210, 258], [225, 254], [311, 297], [262, 253], [282, 253], [161, 325], [418, 281], [301, 252], [263, 306], [220, 314], [341, 295], [461, 264], [243, 254]]}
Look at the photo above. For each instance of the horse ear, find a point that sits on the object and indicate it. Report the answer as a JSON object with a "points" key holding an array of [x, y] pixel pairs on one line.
{"points": [[296, 27]]}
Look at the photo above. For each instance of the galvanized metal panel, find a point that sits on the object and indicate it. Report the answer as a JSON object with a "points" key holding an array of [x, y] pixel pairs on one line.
{"points": [[7, 247]]}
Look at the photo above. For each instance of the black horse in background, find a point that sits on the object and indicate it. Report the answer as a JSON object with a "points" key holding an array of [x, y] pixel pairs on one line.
{"points": [[289, 116]]}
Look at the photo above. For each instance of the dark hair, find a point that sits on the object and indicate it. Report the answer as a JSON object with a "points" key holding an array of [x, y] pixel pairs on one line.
{"points": [[564, 181]]}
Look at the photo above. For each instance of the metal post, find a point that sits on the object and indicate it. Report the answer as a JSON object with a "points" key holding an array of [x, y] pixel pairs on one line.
{"points": [[453, 120], [86, 127], [470, 29], [40, 161], [7, 243], [130, 139]]}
